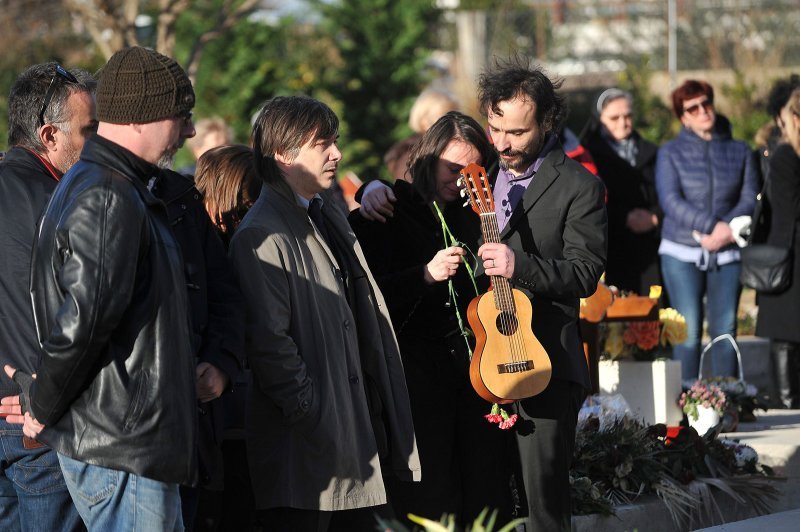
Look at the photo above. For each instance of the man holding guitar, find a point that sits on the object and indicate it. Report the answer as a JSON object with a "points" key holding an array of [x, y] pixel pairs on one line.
{"points": [[552, 247]]}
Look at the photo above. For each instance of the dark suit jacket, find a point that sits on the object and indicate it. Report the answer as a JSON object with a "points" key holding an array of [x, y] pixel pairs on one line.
{"points": [[558, 234]]}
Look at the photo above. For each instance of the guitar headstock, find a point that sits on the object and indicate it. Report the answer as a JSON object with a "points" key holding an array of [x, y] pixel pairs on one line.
{"points": [[475, 186]]}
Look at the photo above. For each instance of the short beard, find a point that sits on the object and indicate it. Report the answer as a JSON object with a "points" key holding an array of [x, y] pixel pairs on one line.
{"points": [[167, 159], [71, 156], [528, 156]]}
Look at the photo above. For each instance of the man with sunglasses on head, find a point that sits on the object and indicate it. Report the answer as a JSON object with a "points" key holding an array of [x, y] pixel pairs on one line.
{"points": [[51, 114], [114, 393], [704, 179]]}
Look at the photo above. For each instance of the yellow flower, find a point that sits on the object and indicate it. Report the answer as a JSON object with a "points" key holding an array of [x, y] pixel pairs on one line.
{"points": [[614, 345], [674, 326], [655, 291]]}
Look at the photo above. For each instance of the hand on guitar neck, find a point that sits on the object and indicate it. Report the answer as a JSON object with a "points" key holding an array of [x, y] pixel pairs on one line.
{"points": [[508, 363], [498, 259]]}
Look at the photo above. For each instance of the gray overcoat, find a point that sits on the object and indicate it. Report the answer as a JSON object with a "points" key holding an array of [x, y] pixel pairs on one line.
{"points": [[328, 413]]}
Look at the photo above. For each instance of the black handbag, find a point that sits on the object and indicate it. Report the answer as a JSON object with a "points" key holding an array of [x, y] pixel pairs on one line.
{"points": [[765, 267]]}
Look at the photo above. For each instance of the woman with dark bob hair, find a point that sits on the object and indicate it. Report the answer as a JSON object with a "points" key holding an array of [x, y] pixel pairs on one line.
{"points": [[704, 179], [466, 461]]}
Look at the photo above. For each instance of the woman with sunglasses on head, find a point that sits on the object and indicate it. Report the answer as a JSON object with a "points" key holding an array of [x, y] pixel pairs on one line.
{"points": [[466, 461], [626, 163], [704, 179]]}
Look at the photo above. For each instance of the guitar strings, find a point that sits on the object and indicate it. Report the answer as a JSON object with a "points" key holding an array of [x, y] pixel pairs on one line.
{"points": [[503, 294], [504, 301]]}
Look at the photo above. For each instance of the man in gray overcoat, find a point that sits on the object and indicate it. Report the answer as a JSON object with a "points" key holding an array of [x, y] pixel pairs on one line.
{"points": [[328, 414]]}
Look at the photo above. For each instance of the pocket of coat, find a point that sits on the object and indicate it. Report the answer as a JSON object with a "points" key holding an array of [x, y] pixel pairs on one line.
{"points": [[138, 401], [310, 419]]}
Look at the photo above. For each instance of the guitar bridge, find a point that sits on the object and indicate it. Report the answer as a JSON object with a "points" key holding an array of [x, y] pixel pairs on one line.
{"points": [[515, 367]]}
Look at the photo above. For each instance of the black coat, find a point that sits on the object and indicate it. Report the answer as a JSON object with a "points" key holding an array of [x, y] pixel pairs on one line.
{"points": [[216, 307], [452, 434], [779, 314], [558, 234], [398, 252], [25, 186], [632, 258], [116, 383]]}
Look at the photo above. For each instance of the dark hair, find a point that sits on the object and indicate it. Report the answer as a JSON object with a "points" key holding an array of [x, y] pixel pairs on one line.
{"points": [[27, 96], [515, 77], [284, 125], [425, 154], [779, 94], [227, 178], [691, 88]]}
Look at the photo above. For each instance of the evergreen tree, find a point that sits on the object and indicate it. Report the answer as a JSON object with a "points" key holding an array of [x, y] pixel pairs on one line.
{"points": [[383, 46]]}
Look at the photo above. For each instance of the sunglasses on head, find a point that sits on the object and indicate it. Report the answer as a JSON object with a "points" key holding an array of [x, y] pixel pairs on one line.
{"points": [[60, 74], [693, 110]]}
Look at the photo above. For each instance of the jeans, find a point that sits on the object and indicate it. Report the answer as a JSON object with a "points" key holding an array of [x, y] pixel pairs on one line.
{"points": [[110, 500], [33, 495], [686, 285]]}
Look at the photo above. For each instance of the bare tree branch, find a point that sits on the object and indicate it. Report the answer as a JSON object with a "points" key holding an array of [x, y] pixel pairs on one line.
{"points": [[228, 17]]}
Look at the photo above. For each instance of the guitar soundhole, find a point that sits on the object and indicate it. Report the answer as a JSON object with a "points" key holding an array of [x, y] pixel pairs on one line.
{"points": [[507, 323]]}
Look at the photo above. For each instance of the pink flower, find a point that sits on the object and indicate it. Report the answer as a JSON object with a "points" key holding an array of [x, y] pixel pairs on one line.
{"points": [[508, 423], [493, 418]]}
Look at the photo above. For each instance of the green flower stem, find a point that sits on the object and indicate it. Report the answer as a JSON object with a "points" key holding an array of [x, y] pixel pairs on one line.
{"points": [[450, 240]]}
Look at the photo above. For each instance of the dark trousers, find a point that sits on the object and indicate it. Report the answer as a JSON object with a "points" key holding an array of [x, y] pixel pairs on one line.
{"points": [[296, 520], [546, 439], [467, 463]]}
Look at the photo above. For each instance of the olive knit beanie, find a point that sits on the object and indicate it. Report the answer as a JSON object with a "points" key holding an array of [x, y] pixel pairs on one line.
{"points": [[139, 85]]}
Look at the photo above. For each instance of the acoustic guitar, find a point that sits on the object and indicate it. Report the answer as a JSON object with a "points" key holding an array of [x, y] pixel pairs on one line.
{"points": [[509, 363]]}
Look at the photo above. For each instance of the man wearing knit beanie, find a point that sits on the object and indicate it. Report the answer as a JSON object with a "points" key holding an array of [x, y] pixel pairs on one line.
{"points": [[114, 393]]}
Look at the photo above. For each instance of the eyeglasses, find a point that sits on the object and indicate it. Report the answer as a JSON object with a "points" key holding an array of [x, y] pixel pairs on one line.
{"points": [[61, 73], [693, 110]]}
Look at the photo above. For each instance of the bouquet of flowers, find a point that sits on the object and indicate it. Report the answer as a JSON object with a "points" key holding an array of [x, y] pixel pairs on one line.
{"points": [[702, 394], [645, 340], [742, 397]]}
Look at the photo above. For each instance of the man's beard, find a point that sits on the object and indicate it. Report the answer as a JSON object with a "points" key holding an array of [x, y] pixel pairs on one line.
{"points": [[519, 165], [167, 158], [524, 158], [71, 156]]}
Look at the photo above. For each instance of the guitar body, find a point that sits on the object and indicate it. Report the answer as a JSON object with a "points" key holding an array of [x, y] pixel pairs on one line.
{"points": [[508, 363]]}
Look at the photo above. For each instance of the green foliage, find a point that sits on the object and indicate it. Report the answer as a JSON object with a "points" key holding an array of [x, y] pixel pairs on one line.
{"points": [[382, 46], [654, 120], [744, 109]]}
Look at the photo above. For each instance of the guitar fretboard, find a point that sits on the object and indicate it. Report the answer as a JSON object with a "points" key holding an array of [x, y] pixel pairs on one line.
{"points": [[503, 299]]}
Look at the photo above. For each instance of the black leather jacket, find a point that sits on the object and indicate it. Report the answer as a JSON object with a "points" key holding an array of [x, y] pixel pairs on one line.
{"points": [[25, 186], [115, 386]]}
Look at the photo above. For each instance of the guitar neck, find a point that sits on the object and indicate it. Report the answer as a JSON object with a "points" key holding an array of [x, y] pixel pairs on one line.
{"points": [[503, 298]]}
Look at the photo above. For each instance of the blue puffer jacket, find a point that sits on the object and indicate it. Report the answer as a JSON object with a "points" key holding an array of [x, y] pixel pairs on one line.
{"points": [[701, 182]]}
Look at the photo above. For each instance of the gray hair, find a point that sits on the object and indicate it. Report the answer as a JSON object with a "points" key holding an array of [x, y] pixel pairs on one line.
{"points": [[27, 97], [609, 95]]}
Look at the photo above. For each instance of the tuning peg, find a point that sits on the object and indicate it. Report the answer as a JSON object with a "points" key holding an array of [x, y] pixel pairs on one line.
{"points": [[465, 203], [460, 181], [462, 192]]}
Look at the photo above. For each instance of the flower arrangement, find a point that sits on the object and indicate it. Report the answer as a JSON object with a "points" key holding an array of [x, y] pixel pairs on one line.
{"points": [[644, 340], [617, 462], [702, 394], [743, 397]]}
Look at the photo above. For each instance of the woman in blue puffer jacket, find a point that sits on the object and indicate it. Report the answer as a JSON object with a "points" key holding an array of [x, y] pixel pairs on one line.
{"points": [[704, 179]]}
